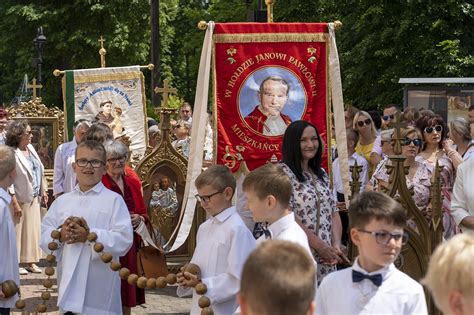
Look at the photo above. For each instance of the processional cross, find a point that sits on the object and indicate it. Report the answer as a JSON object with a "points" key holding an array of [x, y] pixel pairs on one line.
{"points": [[164, 110], [34, 86], [102, 52], [165, 90]]}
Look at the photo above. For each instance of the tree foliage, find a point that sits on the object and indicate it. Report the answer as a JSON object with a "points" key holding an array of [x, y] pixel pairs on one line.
{"points": [[379, 42], [383, 41]]}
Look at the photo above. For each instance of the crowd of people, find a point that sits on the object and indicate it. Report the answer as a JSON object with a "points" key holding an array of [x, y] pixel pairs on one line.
{"points": [[294, 260]]}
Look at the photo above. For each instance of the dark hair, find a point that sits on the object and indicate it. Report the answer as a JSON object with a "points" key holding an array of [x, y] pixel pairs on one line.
{"points": [[291, 150], [99, 132], [371, 205], [430, 121], [376, 118], [288, 273], [15, 131], [391, 105], [106, 102], [93, 146], [471, 108], [269, 179]]}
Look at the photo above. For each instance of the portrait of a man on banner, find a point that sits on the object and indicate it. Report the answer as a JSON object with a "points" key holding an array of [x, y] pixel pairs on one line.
{"points": [[265, 80]]}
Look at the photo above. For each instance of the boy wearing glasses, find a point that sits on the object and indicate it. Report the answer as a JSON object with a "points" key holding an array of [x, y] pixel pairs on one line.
{"points": [[223, 244], [373, 285], [86, 285]]}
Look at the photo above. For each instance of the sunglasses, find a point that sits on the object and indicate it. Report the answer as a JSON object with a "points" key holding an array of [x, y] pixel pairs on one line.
{"points": [[408, 141], [364, 122], [387, 117], [437, 128]]}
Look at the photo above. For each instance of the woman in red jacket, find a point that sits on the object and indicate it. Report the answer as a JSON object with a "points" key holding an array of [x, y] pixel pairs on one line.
{"points": [[124, 181]]}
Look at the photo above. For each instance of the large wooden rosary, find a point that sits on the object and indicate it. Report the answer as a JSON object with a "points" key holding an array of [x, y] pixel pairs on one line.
{"points": [[9, 287]]}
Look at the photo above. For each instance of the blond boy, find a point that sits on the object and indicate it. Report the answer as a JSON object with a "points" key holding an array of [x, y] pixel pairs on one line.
{"points": [[450, 276]]}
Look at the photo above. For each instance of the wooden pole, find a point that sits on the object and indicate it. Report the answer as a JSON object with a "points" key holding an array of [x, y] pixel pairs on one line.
{"points": [[155, 51]]}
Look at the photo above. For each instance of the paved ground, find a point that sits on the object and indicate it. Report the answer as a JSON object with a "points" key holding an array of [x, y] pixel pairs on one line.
{"points": [[159, 301]]}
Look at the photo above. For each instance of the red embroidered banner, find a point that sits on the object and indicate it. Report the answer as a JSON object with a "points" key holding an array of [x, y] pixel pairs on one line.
{"points": [[267, 75]]}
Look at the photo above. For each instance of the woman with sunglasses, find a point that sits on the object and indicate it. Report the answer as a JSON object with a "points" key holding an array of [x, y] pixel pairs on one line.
{"points": [[435, 132], [312, 200], [369, 143], [29, 191], [418, 178], [121, 181]]}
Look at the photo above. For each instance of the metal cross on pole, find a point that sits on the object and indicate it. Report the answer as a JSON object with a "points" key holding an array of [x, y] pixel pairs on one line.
{"points": [[34, 86], [165, 90]]}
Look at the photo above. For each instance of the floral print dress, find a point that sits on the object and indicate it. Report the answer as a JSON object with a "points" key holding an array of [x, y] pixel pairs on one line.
{"points": [[447, 181], [303, 203]]}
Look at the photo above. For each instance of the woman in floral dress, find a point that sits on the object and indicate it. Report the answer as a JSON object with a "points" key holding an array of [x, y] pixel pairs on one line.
{"points": [[435, 132], [312, 201]]}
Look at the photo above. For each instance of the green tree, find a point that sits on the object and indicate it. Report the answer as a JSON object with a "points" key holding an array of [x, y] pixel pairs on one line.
{"points": [[72, 29], [384, 41]]}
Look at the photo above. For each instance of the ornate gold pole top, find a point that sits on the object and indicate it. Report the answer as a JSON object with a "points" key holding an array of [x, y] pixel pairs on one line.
{"points": [[202, 25], [102, 52], [270, 4], [337, 24]]}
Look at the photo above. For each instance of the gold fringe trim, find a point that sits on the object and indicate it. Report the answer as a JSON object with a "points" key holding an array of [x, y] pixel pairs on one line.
{"points": [[107, 77], [269, 38]]}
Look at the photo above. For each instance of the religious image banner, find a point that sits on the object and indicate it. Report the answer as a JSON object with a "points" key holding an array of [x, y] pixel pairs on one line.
{"points": [[114, 96], [267, 75]]}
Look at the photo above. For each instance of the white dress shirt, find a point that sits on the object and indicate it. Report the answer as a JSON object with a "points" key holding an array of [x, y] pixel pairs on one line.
{"points": [[336, 173], [287, 229], [86, 285], [398, 294], [64, 178], [223, 244], [8, 256], [462, 200]]}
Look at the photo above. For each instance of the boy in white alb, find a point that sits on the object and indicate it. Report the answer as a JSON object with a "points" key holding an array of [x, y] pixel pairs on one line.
{"points": [[8, 252], [86, 285], [223, 244], [373, 285]]}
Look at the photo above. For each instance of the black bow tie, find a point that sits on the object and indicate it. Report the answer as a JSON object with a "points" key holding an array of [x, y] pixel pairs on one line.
{"points": [[266, 232], [359, 276]]}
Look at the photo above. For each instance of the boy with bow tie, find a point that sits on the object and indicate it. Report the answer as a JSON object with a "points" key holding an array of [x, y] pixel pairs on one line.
{"points": [[373, 285]]}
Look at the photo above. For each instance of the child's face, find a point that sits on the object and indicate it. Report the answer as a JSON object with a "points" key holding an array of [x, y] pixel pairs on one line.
{"points": [[373, 254], [260, 208], [214, 200], [91, 174]]}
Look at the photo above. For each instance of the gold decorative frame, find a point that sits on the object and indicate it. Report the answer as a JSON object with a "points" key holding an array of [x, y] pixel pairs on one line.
{"points": [[164, 160], [38, 114]]}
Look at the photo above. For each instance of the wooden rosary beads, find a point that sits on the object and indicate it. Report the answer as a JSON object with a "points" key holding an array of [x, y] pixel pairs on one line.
{"points": [[131, 278]]}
